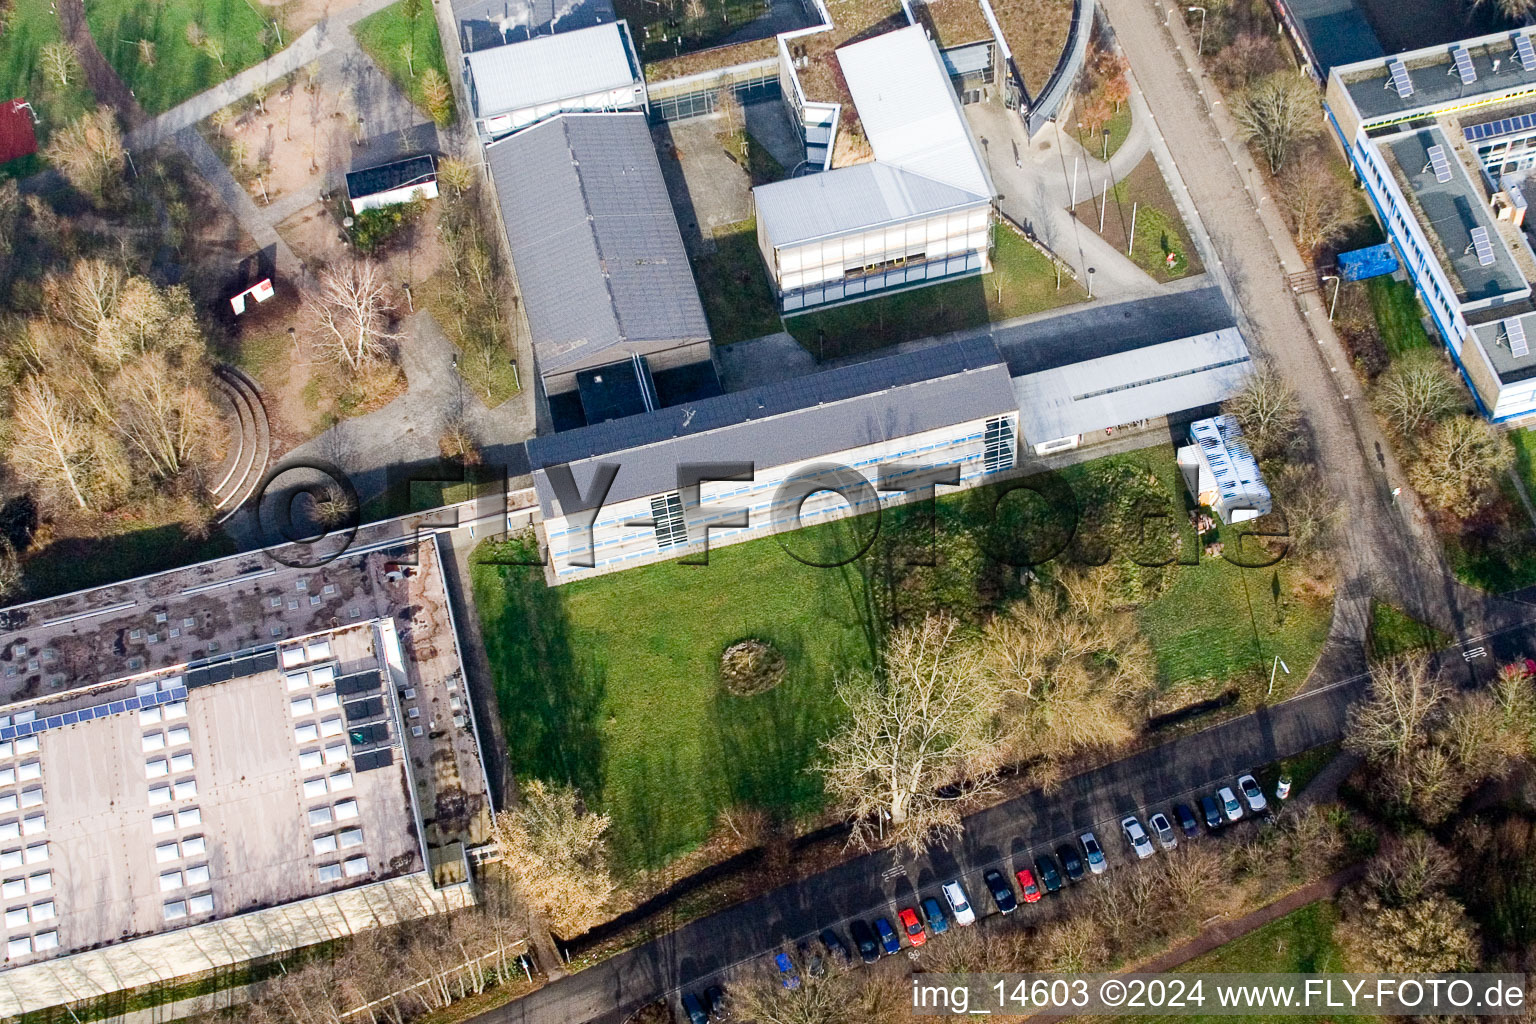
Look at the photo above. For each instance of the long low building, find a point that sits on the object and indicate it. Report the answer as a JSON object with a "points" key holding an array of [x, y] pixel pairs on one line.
{"points": [[1061, 407], [947, 406], [586, 69]]}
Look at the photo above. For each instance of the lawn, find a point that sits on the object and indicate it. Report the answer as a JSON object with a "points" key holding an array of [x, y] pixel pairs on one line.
{"points": [[1119, 129], [1141, 200], [1398, 315], [613, 682], [383, 35], [734, 286], [237, 34], [1023, 281], [32, 26], [1394, 632]]}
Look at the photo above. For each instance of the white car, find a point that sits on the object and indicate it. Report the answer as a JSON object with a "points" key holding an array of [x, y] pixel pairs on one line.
{"points": [[1163, 829], [1137, 837], [1283, 787], [1229, 803], [1095, 853], [1252, 793], [959, 903]]}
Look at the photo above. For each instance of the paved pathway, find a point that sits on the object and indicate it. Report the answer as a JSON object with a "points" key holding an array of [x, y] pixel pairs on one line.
{"points": [[1387, 548]]}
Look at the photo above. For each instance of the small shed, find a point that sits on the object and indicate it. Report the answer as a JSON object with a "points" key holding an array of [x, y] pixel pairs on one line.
{"points": [[391, 183], [17, 139], [1221, 472]]}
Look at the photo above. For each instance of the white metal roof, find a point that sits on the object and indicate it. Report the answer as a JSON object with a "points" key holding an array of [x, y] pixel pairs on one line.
{"points": [[851, 199], [1232, 466], [550, 68], [1144, 383], [909, 109]]}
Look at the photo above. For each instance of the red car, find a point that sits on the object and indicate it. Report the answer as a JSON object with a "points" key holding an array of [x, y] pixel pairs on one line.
{"points": [[1027, 884], [913, 926]]}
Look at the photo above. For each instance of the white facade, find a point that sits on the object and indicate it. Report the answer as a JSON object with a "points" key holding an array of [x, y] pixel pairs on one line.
{"points": [[590, 69], [979, 447], [404, 194]]}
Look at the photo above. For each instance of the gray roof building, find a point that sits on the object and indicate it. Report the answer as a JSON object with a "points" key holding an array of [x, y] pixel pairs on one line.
{"points": [[790, 421], [595, 244], [487, 23], [851, 199]]}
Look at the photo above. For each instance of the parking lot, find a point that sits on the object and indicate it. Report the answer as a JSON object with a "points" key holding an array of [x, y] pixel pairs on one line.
{"points": [[908, 884]]}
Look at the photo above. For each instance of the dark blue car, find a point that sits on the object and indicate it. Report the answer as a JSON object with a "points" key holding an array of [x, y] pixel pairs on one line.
{"points": [[889, 940], [694, 1009], [937, 922]]}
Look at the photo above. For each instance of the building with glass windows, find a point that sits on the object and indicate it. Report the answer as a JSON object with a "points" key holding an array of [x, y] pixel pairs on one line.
{"points": [[917, 211], [803, 451], [1443, 140]]}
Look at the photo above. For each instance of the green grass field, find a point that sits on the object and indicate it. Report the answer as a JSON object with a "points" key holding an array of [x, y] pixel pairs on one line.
{"points": [[1398, 315], [734, 286], [1022, 282], [612, 683], [32, 26], [1394, 632], [382, 35], [242, 32]]}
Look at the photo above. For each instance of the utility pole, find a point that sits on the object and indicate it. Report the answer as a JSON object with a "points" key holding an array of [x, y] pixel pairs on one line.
{"points": [[1074, 185], [1334, 304], [1200, 49]]}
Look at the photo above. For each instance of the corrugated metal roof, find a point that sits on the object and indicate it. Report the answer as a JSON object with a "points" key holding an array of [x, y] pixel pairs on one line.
{"points": [[1145, 383], [790, 421], [851, 199], [909, 109], [595, 243], [547, 69], [484, 24]]}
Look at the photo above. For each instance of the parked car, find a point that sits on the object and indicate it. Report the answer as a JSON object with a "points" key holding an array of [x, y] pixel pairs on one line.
{"points": [[814, 965], [1212, 811], [912, 926], [694, 1009], [1186, 819], [864, 939], [787, 973], [937, 922], [1045, 869], [1071, 862], [890, 942], [1283, 787], [1252, 793], [835, 947], [1027, 885], [1160, 827], [1137, 837], [1229, 803], [1095, 852], [1002, 892], [714, 999], [959, 902]]}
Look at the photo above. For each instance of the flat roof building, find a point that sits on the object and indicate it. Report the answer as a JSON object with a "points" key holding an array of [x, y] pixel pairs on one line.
{"points": [[586, 69], [599, 258], [920, 212], [484, 24], [1059, 408], [193, 775], [1444, 141]]}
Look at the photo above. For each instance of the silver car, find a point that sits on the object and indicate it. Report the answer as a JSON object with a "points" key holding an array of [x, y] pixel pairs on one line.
{"points": [[1163, 829], [1137, 837], [1229, 804]]}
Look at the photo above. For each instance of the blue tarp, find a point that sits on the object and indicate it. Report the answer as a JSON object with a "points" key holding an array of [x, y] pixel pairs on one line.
{"points": [[1370, 262]]}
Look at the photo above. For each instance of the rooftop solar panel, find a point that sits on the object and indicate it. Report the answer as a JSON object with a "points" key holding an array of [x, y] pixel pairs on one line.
{"points": [[1400, 82], [1464, 66], [1501, 127], [1482, 245], [1514, 330], [1526, 53], [1441, 165]]}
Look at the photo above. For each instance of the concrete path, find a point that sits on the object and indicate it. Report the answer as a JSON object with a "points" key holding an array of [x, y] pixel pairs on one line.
{"points": [[239, 202], [1387, 548]]}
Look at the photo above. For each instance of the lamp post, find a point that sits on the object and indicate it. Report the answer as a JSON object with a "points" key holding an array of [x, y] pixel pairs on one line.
{"points": [[1334, 304], [1106, 142], [1200, 48], [1090, 281]]}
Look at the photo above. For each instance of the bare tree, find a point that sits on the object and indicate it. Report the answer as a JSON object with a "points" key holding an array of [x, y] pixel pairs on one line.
{"points": [[352, 312], [51, 441], [1311, 510], [59, 63], [1417, 390], [89, 152], [839, 996], [456, 174], [149, 54], [1320, 205], [1396, 715], [1457, 466], [1268, 412], [436, 94], [1277, 113], [925, 721], [557, 855], [1428, 936], [1512, 10]]}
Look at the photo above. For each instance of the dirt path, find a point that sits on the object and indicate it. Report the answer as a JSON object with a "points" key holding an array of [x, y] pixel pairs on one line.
{"points": [[103, 78]]}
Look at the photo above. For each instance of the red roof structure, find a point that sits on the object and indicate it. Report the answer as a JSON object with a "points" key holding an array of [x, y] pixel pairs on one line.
{"points": [[16, 136]]}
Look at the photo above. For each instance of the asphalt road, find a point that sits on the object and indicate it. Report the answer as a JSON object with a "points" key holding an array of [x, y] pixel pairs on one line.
{"points": [[876, 883]]}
